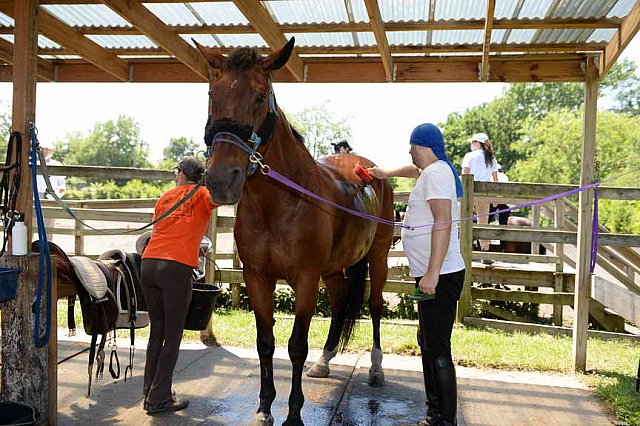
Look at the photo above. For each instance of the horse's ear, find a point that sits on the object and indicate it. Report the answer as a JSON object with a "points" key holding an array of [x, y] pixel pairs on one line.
{"points": [[280, 57], [214, 59]]}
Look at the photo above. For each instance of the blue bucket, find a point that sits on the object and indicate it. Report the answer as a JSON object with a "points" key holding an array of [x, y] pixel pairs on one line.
{"points": [[16, 413], [8, 283]]}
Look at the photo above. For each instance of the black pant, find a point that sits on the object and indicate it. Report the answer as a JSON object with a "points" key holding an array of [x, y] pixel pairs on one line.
{"points": [[167, 291], [436, 316], [503, 217]]}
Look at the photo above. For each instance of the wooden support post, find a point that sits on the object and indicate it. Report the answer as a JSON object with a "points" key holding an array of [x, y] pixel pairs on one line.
{"points": [[78, 237], [466, 242], [235, 287], [210, 268], [558, 219], [535, 223], [585, 219], [29, 375]]}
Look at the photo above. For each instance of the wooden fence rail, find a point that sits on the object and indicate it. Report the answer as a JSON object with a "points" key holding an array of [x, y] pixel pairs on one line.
{"points": [[138, 211]]}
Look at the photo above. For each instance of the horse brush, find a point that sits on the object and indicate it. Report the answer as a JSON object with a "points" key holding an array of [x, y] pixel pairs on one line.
{"points": [[419, 296], [363, 173]]}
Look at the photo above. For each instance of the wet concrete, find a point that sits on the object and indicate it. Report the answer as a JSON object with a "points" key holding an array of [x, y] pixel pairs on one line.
{"points": [[222, 385]]}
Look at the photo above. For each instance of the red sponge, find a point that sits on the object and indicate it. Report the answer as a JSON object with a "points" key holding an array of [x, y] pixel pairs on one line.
{"points": [[363, 173]]}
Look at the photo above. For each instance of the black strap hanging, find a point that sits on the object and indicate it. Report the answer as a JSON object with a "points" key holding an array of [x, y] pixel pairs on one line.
{"points": [[9, 188]]}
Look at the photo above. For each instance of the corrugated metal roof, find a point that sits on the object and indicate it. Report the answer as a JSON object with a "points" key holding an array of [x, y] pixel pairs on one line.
{"points": [[204, 39], [534, 9], [322, 39], [601, 34], [219, 13], [6, 21], [457, 37], [241, 40], [359, 11], [173, 13], [43, 42], [505, 9], [366, 39], [78, 15], [622, 8], [407, 38], [123, 41], [307, 11], [461, 9], [403, 11]]}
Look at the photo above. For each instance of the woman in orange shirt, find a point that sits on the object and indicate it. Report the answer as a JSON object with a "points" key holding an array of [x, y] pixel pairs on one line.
{"points": [[167, 264]]}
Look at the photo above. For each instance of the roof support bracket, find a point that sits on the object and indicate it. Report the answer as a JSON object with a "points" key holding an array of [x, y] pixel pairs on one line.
{"points": [[484, 78]]}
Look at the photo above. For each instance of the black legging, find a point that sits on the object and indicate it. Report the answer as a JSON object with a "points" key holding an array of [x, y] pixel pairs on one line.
{"points": [[436, 316], [167, 291]]}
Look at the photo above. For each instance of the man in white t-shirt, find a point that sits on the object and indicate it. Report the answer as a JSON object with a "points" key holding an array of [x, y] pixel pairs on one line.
{"points": [[433, 250]]}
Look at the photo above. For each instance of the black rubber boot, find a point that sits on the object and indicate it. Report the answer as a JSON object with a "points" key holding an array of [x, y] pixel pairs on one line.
{"points": [[433, 410], [446, 388]]}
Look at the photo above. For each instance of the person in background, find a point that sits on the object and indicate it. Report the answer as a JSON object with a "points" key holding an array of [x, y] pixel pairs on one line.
{"points": [[341, 147], [58, 183], [168, 261], [481, 163], [435, 262]]}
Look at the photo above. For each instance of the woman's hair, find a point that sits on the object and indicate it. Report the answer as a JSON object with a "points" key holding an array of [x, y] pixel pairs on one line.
{"points": [[488, 152]]}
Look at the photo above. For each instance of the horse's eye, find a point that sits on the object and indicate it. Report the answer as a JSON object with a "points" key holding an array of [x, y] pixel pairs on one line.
{"points": [[260, 98]]}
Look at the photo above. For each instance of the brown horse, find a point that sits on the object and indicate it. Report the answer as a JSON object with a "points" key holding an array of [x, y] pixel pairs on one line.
{"points": [[283, 234]]}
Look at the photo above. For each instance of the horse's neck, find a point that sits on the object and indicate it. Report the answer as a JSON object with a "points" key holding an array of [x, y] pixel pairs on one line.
{"points": [[287, 155]]}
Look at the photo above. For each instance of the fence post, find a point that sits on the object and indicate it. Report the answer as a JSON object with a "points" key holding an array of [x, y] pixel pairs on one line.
{"points": [[235, 287], [466, 243], [78, 237], [558, 220], [535, 223], [210, 269]]}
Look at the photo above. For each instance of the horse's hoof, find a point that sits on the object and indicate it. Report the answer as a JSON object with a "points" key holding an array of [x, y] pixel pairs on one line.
{"points": [[293, 422], [262, 419], [318, 370], [376, 378]]}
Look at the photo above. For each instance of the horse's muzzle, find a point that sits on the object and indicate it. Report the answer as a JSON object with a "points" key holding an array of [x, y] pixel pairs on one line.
{"points": [[224, 184]]}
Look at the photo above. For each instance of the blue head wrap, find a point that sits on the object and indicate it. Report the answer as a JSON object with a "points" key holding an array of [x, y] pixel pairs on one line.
{"points": [[428, 135]]}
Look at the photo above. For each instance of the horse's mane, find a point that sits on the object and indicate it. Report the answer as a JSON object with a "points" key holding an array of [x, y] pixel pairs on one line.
{"points": [[297, 135], [242, 59]]}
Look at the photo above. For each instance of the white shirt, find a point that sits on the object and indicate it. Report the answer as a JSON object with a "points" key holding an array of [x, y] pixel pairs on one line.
{"points": [[475, 161], [57, 182], [435, 182]]}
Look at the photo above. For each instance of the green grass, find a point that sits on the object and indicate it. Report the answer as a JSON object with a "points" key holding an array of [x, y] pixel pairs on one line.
{"points": [[612, 364]]}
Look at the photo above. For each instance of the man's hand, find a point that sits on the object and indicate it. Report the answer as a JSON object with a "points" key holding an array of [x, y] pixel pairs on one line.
{"points": [[428, 283], [377, 172]]}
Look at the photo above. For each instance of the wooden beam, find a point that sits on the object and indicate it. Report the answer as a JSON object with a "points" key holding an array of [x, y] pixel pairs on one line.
{"points": [[45, 68], [620, 300], [628, 29], [377, 26], [149, 24], [264, 24], [488, 23], [64, 35], [466, 242], [585, 219]]}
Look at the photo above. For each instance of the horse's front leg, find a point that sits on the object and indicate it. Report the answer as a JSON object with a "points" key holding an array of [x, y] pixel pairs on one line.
{"points": [[378, 271], [338, 291], [306, 290], [261, 296]]}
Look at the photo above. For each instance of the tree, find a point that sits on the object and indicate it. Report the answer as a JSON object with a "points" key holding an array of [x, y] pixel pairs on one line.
{"points": [[551, 155], [177, 149], [622, 85], [5, 127], [112, 143], [319, 129]]}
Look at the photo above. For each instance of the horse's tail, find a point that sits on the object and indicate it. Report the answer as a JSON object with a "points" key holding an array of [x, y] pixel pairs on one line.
{"points": [[356, 278]]}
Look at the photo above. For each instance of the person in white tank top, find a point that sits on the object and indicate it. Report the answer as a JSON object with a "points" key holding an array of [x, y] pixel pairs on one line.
{"points": [[482, 164]]}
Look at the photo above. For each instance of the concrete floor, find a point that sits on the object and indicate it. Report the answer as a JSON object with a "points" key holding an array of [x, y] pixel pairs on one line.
{"points": [[222, 384]]}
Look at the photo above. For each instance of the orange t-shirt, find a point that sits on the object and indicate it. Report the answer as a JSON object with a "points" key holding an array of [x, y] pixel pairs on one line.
{"points": [[178, 236]]}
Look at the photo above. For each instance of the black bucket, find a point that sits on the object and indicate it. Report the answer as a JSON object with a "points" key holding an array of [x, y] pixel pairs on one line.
{"points": [[203, 300], [16, 413]]}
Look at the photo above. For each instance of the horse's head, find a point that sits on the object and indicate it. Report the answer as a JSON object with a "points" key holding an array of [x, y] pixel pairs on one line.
{"points": [[241, 117]]}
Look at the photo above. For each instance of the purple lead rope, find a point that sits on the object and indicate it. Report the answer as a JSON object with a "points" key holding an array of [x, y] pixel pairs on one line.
{"points": [[594, 231]]}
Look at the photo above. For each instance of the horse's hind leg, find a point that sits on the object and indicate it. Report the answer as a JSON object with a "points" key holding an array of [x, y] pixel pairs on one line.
{"points": [[337, 288], [378, 271], [261, 297]]}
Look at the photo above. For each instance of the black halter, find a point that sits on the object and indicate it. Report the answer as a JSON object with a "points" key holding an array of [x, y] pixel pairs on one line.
{"points": [[242, 135]]}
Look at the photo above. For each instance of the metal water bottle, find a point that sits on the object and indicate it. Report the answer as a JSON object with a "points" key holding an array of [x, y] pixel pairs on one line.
{"points": [[19, 237]]}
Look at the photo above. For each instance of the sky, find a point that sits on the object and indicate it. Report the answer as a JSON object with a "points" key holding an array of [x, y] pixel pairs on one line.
{"points": [[381, 115]]}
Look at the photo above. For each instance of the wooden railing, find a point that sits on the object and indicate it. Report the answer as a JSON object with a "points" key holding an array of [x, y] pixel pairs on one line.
{"points": [[561, 281]]}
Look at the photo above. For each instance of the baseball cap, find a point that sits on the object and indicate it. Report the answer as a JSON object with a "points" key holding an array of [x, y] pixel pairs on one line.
{"points": [[192, 168], [479, 137]]}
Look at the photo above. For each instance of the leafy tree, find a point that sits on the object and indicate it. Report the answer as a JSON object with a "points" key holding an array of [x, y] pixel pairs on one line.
{"points": [[622, 84], [551, 153], [320, 129], [5, 127], [179, 148], [112, 143]]}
